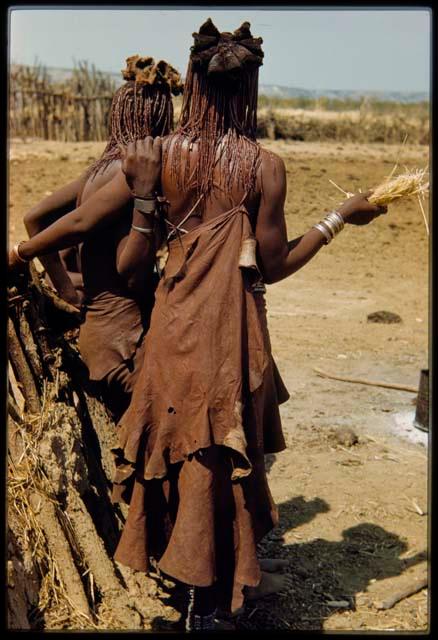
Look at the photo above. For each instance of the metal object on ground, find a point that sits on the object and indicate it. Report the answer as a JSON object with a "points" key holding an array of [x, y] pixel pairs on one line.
{"points": [[421, 420]]}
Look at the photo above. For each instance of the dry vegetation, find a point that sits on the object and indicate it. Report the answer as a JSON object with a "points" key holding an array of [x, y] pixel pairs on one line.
{"points": [[76, 110]]}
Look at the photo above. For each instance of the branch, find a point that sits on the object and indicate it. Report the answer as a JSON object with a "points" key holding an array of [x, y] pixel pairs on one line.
{"points": [[387, 385]]}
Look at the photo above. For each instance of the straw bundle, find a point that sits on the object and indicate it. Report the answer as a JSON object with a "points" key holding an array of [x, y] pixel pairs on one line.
{"points": [[405, 185], [402, 186]]}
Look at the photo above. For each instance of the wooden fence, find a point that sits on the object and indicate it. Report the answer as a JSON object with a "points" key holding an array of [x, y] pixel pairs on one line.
{"points": [[73, 110], [77, 109]]}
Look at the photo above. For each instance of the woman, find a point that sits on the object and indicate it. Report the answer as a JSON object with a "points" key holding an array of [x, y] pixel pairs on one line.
{"points": [[116, 316], [204, 409]]}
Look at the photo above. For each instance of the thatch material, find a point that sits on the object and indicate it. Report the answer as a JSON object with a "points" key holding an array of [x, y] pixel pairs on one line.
{"points": [[412, 183], [63, 527]]}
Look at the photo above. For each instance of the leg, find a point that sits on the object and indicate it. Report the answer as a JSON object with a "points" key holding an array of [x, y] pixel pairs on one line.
{"points": [[119, 384], [201, 611], [201, 608]]}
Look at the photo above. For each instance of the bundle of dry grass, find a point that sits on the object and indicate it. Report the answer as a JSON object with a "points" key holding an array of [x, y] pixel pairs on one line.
{"points": [[405, 185], [411, 183]]}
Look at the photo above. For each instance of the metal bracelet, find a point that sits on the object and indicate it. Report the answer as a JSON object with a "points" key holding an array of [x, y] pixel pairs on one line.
{"points": [[339, 217], [146, 232], [16, 252], [336, 221], [149, 196], [145, 206], [324, 230], [331, 226]]}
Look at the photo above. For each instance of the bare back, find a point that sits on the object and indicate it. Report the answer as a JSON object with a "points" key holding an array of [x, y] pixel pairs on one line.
{"points": [[99, 251], [217, 202]]}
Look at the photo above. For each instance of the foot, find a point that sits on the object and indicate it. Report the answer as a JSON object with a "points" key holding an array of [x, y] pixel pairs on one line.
{"points": [[272, 565], [270, 584]]}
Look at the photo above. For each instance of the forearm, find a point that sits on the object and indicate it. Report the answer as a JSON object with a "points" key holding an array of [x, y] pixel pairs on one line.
{"points": [[104, 207], [59, 276], [59, 235], [36, 220], [76, 279], [136, 259], [297, 253]]}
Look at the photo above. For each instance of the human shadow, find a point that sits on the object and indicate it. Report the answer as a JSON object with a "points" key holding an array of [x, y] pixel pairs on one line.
{"points": [[294, 513], [324, 571], [321, 571]]}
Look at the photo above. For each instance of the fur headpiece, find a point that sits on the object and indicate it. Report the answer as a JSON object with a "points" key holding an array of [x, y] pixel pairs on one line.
{"points": [[144, 70]]}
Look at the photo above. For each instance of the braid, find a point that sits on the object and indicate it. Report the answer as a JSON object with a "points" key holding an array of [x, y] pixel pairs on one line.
{"points": [[141, 107], [219, 111]]}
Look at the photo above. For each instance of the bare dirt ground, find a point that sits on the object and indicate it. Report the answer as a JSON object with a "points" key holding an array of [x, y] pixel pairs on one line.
{"points": [[353, 517]]}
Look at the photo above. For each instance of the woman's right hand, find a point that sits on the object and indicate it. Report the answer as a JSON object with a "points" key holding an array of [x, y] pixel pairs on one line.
{"points": [[359, 211]]}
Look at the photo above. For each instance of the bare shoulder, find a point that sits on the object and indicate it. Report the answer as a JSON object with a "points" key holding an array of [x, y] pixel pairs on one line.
{"points": [[271, 174], [272, 164], [110, 181]]}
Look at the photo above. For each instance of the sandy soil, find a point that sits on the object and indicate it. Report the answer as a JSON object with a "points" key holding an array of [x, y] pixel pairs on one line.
{"points": [[350, 518]]}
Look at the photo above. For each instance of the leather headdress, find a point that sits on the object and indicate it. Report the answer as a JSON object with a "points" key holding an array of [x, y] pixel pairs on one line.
{"points": [[225, 53]]}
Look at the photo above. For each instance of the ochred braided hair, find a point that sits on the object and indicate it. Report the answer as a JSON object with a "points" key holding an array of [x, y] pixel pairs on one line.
{"points": [[219, 110], [141, 107]]}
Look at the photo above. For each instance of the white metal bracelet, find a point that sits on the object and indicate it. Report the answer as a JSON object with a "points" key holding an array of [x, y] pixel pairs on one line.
{"points": [[332, 226], [324, 230], [145, 206], [339, 217], [336, 219], [146, 232], [16, 251]]}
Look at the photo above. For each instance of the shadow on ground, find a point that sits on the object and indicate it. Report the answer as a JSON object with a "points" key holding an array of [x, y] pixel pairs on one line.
{"points": [[322, 571]]}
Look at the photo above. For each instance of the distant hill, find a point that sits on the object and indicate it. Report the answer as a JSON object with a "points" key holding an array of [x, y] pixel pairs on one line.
{"points": [[280, 91], [272, 90]]}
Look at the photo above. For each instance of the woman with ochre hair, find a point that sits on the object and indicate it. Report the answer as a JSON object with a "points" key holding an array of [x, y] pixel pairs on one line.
{"points": [[204, 410], [113, 275]]}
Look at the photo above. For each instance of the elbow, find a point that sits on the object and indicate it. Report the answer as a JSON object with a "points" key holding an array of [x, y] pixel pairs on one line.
{"points": [[77, 228], [32, 222], [135, 280], [268, 278], [80, 229], [128, 276], [271, 279], [272, 274]]}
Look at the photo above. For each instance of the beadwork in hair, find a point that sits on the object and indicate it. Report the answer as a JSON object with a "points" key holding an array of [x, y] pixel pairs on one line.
{"points": [[219, 110], [141, 107]]}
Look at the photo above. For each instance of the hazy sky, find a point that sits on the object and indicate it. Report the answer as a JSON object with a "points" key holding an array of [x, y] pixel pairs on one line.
{"points": [[366, 49]]}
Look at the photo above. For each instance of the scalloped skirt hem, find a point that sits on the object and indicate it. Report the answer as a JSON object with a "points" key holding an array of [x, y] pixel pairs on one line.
{"points": [[201, 527]]}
